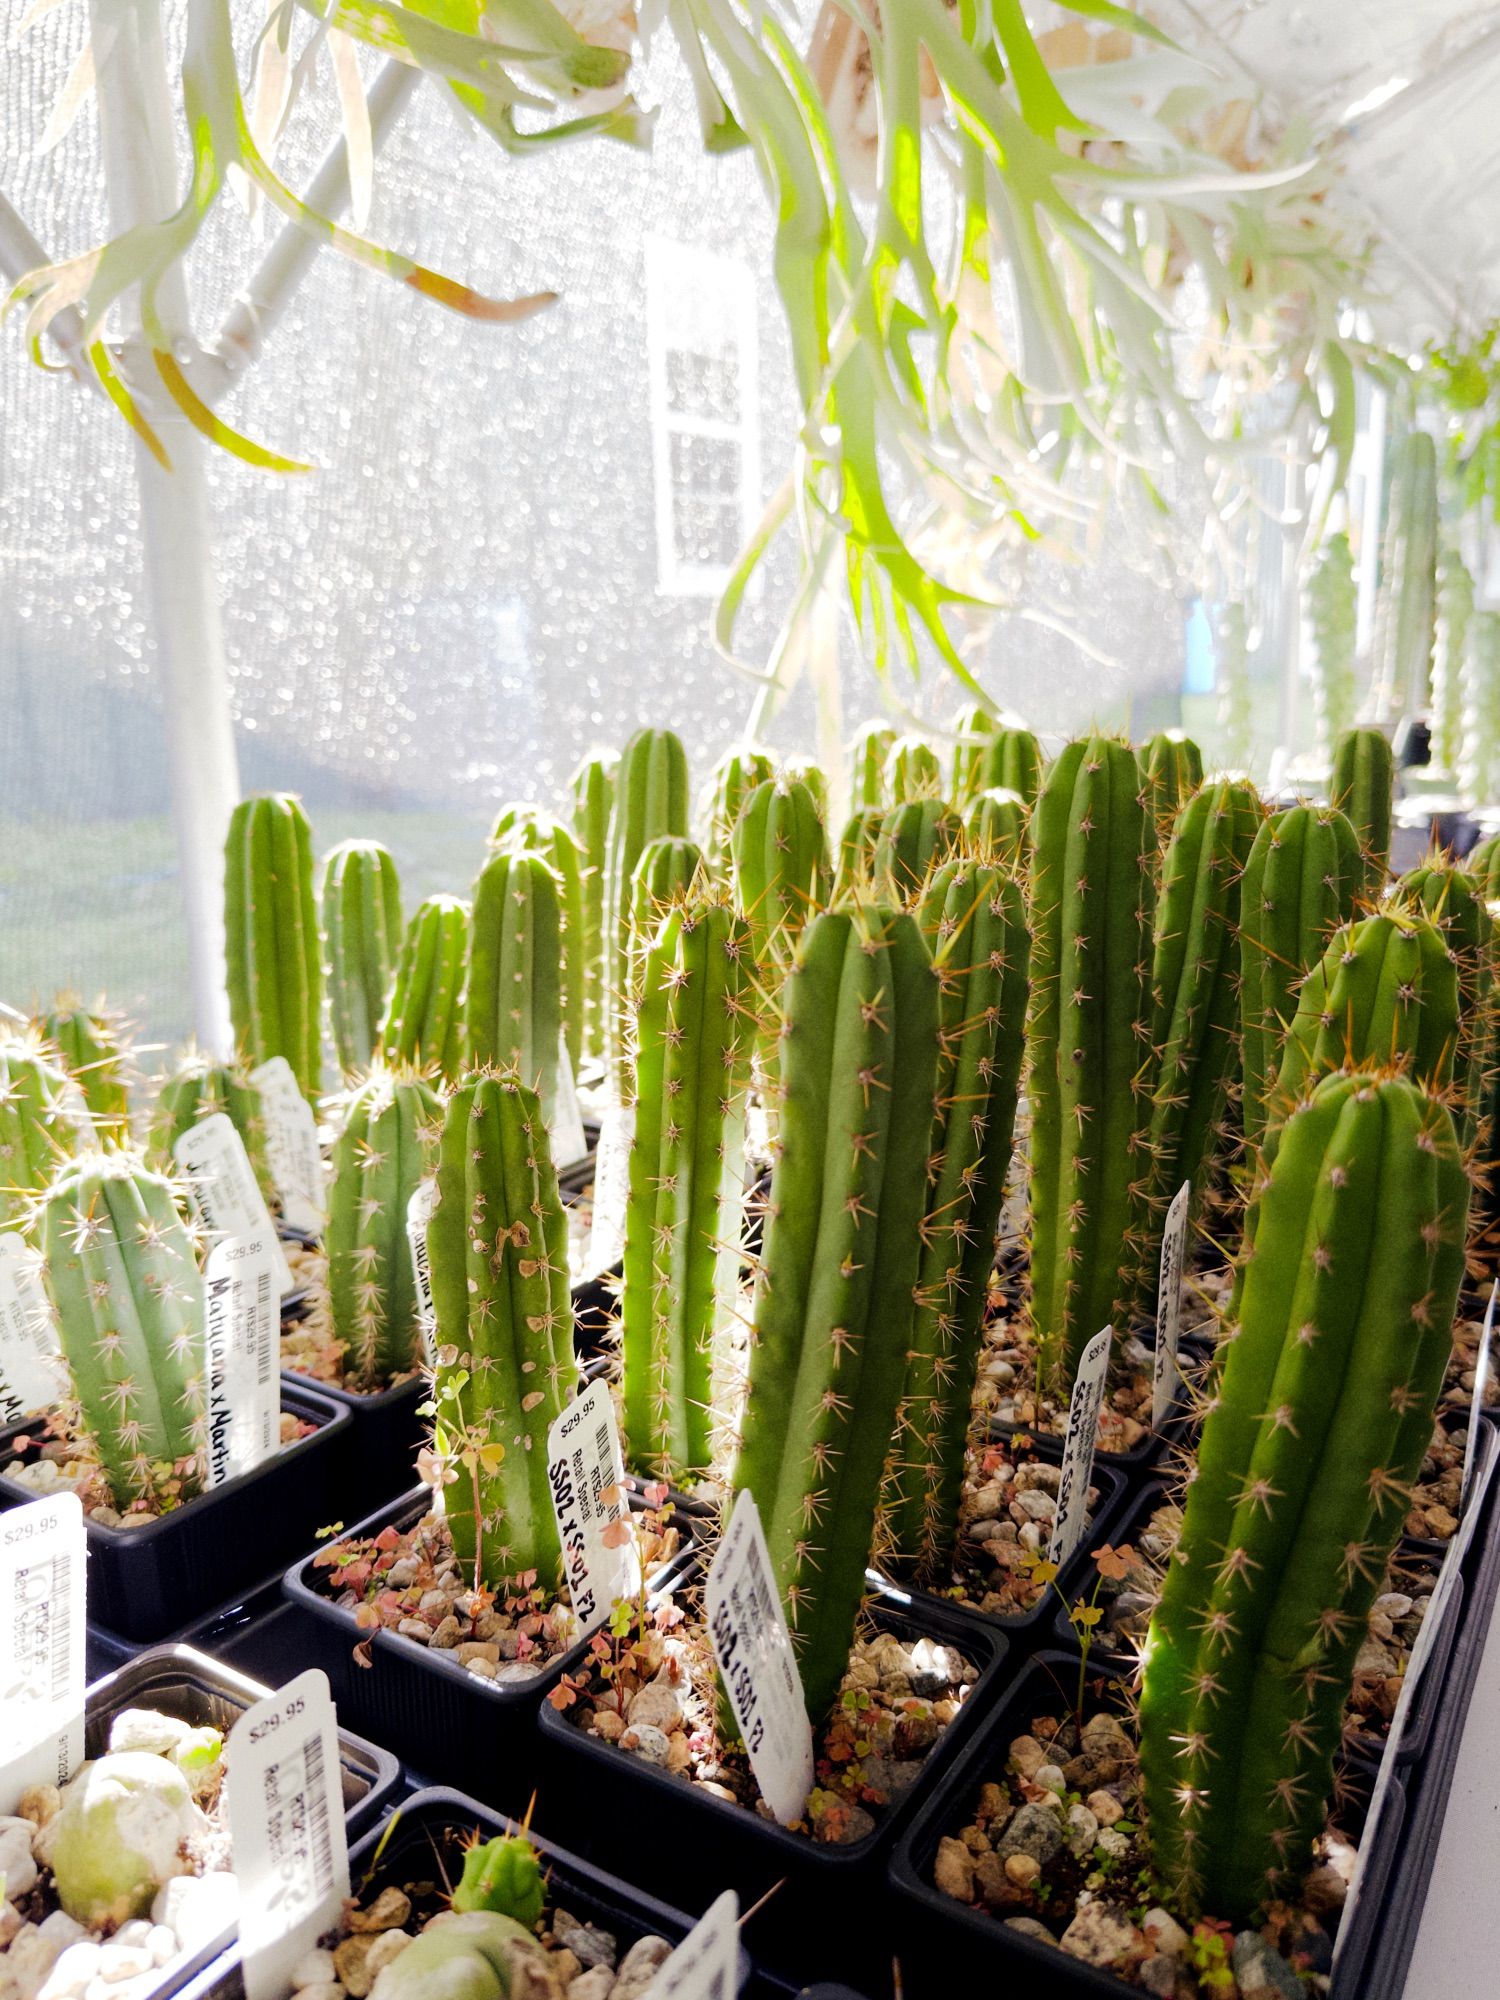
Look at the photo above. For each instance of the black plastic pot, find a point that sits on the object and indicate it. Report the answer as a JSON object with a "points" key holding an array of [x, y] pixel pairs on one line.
{"points": [[448, 1723], [943, 1943], [818, 1923], [256, 1631], [147, 1582], [1449, 1421], [380, 1445]]}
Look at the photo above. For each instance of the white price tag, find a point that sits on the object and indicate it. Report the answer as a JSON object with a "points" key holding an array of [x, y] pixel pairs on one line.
{"points": [[75, 1108], [1165, 1377], [418, 1214], [1078, 1448], [286, 1822], [292, 1145], [569, 1145], [212, 1155], [42, 1557], [611, 1187], [1476, 1406], [32, 1375], [243, 1323], [585, 1470], [754, 1653], [706, 1965]]}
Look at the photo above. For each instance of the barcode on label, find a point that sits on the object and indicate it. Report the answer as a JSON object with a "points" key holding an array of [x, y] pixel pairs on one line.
{"points": [[753, 1649], [62, 1583], [320, 1841], [42, 1557]]}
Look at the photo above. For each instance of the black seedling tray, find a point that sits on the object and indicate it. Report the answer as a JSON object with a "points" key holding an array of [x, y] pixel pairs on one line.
{"points": [[380, 1445], [256, 1631]]}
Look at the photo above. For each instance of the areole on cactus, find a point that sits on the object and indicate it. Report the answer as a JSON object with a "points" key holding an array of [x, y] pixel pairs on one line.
{"points": [[914, 837], [1171, 771], [91, 1043], [36, 1131]]}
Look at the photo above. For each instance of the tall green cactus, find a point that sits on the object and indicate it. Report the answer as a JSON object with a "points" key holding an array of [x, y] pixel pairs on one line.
{"points": [[996, 823], [130, 1318], [1322, 1416], [1171, 771], [535, 832], [423, 1027], [1012, 762], [198, 1088], [807, 771], [1332, 600], [1479, 760], [867, 760], [730, 783], [1088, 1045], [913, 770], [1364, 775], [694, 1028], [827, 1357], [91, 1042], [854, 865], [387, 1141], [36, 1132], [275, 964], [973, 729], [913, 839], [667, 870], [1402, 649], [1455, 607], [1454, 900], [592, 787], [780, 856], [973, 915], [1300, 881], [497, 1243], [513, 1000], [651, 802], [362, 933]]}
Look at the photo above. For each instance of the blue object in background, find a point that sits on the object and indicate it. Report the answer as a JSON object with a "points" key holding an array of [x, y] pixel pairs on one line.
{"points": [[1198, 651]]}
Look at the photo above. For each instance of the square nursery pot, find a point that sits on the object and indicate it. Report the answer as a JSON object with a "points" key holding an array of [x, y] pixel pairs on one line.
{"points": [[379, 1444], [818, 1922], [447, 1723], [147, 1582], [1143, 1458], [942, 1943]]}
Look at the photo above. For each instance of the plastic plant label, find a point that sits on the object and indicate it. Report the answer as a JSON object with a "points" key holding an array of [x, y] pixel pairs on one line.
{"points": [[42, 1558], [212, 1155], [292, 1145], [418, 1214], [706, 1965], [75, 1108], [611, 1187], [286, 1821], [1078, 1448], [569, 1143], [1165, 1376], [32, 1376], [1476, 1407], [243, 1345], [586, 1472], [753, 1649]]}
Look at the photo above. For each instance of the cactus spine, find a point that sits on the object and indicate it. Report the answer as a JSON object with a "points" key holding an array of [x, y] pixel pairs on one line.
{"points": [[1319, 1424], [1455, 607], [651, 801], [1332, 606], [996, 823], [827, 1357], [513, 1005], [1088, 1043], [130, 1316], [36, 1132], [854, 868], [362, 930], [271, 937], [1299, 882], [1171, 771], [913, 839], [687, 1169], [780, 855], [532, 832], [498, 1245], [733, 779], [91, 1042], [867, 758], [973, 916], [1479, 762], [198, 1088], [1363, 776], [1012, 762], [913, 770], [424, 1016], [974, 728], [593, 790], [806, 771], [387, 1142]]}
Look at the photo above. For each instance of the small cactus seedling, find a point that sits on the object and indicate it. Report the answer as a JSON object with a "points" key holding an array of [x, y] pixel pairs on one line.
{"points": [[694, 1030], [1012, 762], [533, 832], [362, 934], [593, 791], [513, 999], [498, 1246], [36, 1132], [425, 1014], [198, 1088], [1300, 881], [387, 1141], [867, 759], [854, 867], [651, 801], [1364, 773], [973, 916], [733, 779], [827, 1358], [1171, 771], [996, 823], [913, 839], [975, 726], [1088, 1046], [913, 770], [271, 937], [503, 1874], [130, 1318], [91, 1043], [1318, 1426]]}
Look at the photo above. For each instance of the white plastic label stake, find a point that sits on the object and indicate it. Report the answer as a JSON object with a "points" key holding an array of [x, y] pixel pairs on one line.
{"points": [[1476, 1407], [292, 1145], [286, 1821], [212, 1155], [754, 1653], [42, 1556], [1078, 1448], [706, 1965], [611, 1187], [569, 1144], [1165, 1377], [32, 1376], [586, 1471], [243, 1324], [418, 1215]]}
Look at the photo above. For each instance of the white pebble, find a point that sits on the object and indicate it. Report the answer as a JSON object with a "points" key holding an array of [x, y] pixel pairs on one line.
{"points": [[72, 1973], [198, 1908], [313, 1968], [16, 1862]]}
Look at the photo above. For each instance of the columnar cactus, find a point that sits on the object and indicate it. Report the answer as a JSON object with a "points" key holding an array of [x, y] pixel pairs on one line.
{"points": [[362, 933], [1454, 900], [130, 1318], [780, 857], [854, 865], [651, 801], [1171, 771], [1479, 760], [593, 791], [913, 770], [995, 823], [1455, 607], [973, 915], [387, 1141], [974, 728], [423, 1027], [498, 1247], [1088, 1045], [271, 937], [1408, 579], [534, 832], [1012, 762], [513, 1000], [36, 1132], [1363, 776], [198, 1088], [730, 783], [1332, 602], [91, 1042], [808, 771], [694, 1028], [913, 838], [827, 1358], [1320, 1421], [1300, 881], [667, 870], [867, 758]]}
